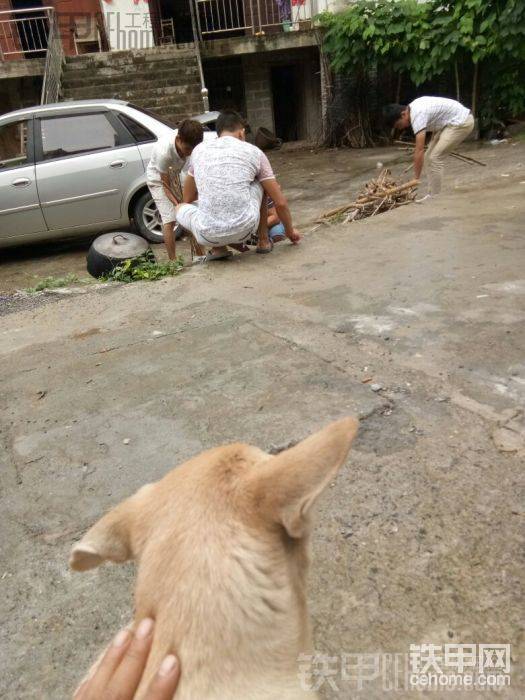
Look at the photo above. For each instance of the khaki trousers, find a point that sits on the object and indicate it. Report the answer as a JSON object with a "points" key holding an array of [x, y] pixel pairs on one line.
{"points": [[441, 143]]}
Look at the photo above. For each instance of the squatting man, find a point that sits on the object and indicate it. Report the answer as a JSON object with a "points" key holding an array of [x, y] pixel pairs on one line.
{"points": [[232, 181]]}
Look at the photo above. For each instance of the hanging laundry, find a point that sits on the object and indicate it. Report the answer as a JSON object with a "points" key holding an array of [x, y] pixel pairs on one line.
{"points": [[285, 10]]}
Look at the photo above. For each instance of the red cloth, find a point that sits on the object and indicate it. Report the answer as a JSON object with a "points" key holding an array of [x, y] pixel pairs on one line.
{"points": [[298, 2]]}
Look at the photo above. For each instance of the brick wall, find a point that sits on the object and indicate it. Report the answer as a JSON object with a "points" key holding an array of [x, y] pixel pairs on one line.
{"points": [[9, 40], [67, 11]]}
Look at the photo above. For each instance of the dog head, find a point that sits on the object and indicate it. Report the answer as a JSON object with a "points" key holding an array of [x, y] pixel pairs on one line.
{"points": [[271, 495]]}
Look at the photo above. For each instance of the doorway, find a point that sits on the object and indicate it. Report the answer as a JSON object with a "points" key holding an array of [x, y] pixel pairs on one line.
{"points": [[224, 80], [180, 14], [287, 102]]}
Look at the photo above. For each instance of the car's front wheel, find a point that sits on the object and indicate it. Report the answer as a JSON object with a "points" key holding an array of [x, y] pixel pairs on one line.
{"points": [[147, 218]]}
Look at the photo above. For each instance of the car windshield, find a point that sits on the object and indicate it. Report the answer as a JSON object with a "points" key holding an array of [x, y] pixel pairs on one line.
{"points": [[163, 120]]}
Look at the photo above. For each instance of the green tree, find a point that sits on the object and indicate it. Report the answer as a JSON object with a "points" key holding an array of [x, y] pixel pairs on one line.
{"points": [[426, 40]]}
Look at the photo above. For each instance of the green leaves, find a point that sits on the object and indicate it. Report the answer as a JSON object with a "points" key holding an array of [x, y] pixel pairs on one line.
{"points": [[57, 283], [144, 267], [424, 40]]}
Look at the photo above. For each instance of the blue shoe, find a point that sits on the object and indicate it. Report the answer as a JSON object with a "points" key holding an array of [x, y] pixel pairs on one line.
{"points": [[277, 233]]}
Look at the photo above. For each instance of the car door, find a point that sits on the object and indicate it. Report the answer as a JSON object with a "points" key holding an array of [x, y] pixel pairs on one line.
{"points": [[20, 212], [84, 164]]}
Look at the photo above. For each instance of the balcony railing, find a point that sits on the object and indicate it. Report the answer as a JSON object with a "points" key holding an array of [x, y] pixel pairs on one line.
{"points": [[34, 33], [25, 33], [245, 17], [54, 63]]}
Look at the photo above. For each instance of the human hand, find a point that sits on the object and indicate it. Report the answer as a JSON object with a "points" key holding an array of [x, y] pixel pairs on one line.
{"points": [[118, 673], [294, 237]]}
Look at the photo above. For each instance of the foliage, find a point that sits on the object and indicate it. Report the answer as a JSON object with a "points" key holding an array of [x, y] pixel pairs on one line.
{"points": [[144, 267], [427, 40], [56, 282]]}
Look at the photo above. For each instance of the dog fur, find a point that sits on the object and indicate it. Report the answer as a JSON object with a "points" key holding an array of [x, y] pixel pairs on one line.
{"points": [[221, 544]]}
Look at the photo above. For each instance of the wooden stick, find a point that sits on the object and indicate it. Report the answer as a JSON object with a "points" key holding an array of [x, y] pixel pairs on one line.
{"points": [[378, 207], [334, 212], [466, 158], [456, 154], [401, 188]]}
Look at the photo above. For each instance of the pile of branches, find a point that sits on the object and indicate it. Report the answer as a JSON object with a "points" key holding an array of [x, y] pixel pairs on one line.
{"points": [[379, 195]]}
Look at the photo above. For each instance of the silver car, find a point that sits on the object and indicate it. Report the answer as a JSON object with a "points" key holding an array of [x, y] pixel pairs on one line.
{"points": [[77, 168]]}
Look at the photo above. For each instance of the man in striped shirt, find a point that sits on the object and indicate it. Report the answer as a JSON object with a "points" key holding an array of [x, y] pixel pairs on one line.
{"points": [[449, 122]]}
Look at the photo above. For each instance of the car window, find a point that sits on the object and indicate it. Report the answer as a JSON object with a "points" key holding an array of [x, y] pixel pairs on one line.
{"points": [[154, 115], [76, 133], [138, 131], [13, 145]]}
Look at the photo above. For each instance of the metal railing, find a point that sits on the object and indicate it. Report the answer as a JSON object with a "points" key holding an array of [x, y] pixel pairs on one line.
{"points": [[204, 89], [54, 63], [254, 16], [24, 33]]}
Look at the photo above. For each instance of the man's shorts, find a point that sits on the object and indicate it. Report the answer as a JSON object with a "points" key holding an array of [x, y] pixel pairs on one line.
{"points": [[165, 206], [188, 216]]}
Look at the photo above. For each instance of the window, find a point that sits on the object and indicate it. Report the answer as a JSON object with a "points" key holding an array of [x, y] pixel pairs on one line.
{"points": [[139, 132], [13, 145], [75, 134], [153, 115]]}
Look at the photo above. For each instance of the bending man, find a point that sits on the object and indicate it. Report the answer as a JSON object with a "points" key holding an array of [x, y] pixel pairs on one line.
{"points": [[450, 123], [230, 177], [170, 152]]}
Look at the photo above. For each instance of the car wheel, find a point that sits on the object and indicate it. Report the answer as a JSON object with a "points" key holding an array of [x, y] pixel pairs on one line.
{"points": [[147, 218]]}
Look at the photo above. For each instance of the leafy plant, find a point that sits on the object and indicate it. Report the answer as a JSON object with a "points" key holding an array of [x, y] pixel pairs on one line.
{"points": [[144, 267], [56, 282], [436, 38]]}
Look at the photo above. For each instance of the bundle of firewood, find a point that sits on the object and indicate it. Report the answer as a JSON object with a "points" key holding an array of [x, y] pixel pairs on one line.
{"points": [[379, 195]]}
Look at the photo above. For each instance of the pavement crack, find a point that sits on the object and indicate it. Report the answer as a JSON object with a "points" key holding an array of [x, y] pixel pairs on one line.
{"points": [[304, 348]]}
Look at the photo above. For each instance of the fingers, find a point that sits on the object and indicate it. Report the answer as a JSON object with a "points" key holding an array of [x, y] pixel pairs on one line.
{"points": [[165, 683], [117, 675], [126, 678], [96, 682]]}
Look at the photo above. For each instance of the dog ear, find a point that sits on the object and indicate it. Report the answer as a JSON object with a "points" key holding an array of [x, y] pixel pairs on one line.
{"points": [[117, 537], [285, 487]]}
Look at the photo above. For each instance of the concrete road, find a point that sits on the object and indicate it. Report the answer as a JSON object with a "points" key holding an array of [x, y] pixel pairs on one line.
{"points": [[418, 539]]}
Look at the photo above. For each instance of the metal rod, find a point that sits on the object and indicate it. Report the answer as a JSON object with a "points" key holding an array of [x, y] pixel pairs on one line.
{"points": [[196, 41]]}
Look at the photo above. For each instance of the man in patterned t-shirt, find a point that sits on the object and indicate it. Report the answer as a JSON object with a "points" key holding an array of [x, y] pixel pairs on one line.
{"points": [[229, 178]]}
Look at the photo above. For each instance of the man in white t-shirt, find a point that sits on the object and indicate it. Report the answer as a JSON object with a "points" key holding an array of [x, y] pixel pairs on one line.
{"points": [[230, 179], [449, 122], [170, 152]]}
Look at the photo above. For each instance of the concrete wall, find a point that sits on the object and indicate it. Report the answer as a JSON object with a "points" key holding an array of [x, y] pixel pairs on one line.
{"points": [[258, 91]]}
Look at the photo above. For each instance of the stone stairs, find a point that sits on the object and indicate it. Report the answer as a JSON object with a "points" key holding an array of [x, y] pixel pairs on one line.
{"points": [[164, 79]]}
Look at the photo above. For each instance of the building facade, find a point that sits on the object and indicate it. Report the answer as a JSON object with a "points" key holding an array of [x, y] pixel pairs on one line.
{"points": [[260, 57]]}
